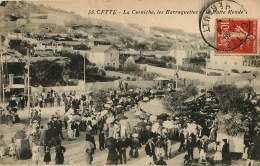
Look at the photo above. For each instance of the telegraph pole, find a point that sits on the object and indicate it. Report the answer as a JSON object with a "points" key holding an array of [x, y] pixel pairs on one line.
{"points": [[1, 70]]}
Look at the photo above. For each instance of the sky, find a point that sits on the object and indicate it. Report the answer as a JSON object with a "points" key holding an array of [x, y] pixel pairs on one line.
{"points": [[188, 23]]}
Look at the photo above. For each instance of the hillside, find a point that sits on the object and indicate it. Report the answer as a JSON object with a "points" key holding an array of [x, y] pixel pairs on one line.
{"points": [[18, 19]]}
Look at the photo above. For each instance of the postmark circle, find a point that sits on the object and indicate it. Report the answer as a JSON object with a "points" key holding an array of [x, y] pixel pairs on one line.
{"points": [[222, 25]]}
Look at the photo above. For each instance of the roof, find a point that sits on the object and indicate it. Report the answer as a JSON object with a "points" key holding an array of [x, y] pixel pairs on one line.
{"points": [[100, 48], [15, 86], [161, 79], [183, 46], [71, 43], [132, 52], [44, 53], [156, 53], [47, 41], [35, 59]]}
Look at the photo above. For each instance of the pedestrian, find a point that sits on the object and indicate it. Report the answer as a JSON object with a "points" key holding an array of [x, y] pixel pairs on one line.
{"points": [[60, 150], [225, 152], [12, 149], [150, 151], [122, 145], [89, 152], [70, 131], [135, 145], [58, 101], [182, 141], [190, 147], [18, 148], [47, 155], [168, 148], [36, 153], [101, 140], [218, 154], [203, 148], [250, 158], [73, 128], [159, 147]]}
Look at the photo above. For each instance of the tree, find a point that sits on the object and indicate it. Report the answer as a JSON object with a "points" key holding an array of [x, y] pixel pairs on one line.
{"points": [[232, 123], [175, 101], [192, 90], [46, 73], [229, 96], [131, 67], [168, 59]]}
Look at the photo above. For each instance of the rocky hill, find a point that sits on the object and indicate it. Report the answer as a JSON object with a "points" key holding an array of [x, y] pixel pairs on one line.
{"points": [[18, 18]]}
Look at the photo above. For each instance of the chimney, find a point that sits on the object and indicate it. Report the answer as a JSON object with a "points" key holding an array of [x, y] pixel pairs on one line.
{"points": [[11, 79]]}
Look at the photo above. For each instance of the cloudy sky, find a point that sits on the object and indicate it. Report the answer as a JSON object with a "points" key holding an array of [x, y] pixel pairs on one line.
{"points": [[188, 23]]}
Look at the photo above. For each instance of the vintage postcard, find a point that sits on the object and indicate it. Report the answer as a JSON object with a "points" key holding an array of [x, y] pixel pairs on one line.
{"points": [[129, 82]]}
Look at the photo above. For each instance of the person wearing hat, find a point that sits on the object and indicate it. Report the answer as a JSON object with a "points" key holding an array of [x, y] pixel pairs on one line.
{"points": [[160, 147], [36, 153], [251, 153], [182, 141], [134, 144], [150, 151], [190, 147], [73, 128], [225, 152], [203, 148], [60, 150], [218, 154]]}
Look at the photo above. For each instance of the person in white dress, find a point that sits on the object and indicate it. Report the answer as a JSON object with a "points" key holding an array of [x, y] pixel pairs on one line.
{"points": [[36, 153], [218, 154]]}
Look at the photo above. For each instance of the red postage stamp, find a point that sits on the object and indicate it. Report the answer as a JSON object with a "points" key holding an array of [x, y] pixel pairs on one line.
{"points": [[236, 36]]}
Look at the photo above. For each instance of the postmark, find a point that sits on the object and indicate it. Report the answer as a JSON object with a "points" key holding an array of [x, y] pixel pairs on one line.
{"points": [[236, 36], [232, 40]]}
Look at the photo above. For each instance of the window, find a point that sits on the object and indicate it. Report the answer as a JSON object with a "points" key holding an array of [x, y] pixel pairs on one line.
{"points": [[216, 62], [111, 55], [225, 62], [235, 63], [108, 64], [114, 64]]}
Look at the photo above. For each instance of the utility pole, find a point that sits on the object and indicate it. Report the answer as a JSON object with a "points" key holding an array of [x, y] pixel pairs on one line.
{"points": [[1, 71], [177, 76], [28, 63], [84, 74]]}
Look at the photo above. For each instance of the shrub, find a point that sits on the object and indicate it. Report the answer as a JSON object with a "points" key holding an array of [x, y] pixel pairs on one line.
{"points": [[234, 71], [102, 72], [134, 79], [195, 69], [110, 68], [214, 74]]}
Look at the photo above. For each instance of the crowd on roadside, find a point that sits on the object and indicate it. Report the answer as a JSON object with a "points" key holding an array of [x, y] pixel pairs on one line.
{"points": [[123, 140]]}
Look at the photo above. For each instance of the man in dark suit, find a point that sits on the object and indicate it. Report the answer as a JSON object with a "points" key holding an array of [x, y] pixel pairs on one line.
{"points": [[190, 147], [150, 151], [182, 140]]}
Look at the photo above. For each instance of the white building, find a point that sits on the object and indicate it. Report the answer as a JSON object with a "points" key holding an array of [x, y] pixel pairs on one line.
{"points": [[182, 51], [228, 62], [48, 45], [104, 55]]}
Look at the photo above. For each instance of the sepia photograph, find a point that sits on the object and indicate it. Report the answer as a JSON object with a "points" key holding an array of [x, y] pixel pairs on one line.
{"points": [[130, 82]]}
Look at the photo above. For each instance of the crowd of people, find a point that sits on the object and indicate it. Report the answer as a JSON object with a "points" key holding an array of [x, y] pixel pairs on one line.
{"points": [[107, 120]]}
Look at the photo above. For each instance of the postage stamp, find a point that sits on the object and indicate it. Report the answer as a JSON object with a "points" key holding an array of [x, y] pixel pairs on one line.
{"points": [[226, 34], [236, 36]]}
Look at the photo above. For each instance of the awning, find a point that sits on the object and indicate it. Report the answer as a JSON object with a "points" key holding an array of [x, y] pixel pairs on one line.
{"points": [[15, 86]]}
